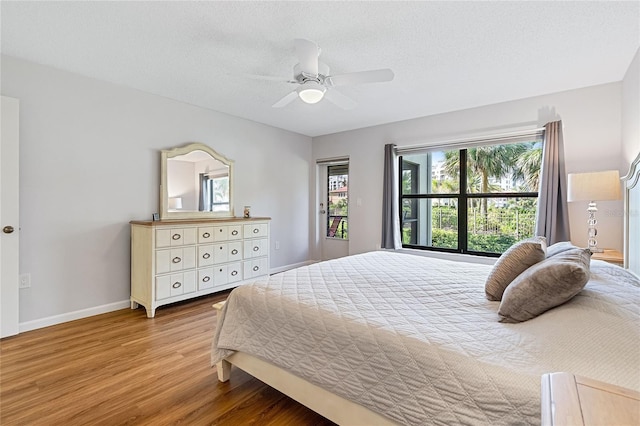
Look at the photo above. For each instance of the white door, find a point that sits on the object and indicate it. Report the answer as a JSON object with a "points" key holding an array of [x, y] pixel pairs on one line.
{"points": [[9, 217], [333, 221]]}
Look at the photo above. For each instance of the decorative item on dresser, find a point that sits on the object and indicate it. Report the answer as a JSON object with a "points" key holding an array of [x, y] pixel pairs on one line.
{"points": [[174, 260]]}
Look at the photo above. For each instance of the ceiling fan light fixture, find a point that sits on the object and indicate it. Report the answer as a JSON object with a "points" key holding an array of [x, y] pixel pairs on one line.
{"points": [[311, 92]]}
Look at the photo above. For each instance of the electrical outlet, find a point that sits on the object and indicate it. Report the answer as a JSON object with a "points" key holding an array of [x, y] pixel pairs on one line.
{"points": [[277, 245], [25, 281]]}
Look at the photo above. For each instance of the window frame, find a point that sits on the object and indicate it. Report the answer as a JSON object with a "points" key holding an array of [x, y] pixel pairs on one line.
{"points": [[462, 198]]}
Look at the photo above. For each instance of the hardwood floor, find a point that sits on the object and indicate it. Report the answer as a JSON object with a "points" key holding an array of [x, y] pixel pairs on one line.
{"points": [[122, 368]]}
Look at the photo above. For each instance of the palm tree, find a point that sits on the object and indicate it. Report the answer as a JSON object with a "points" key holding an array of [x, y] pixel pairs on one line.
{"points": [[486, 162], [528, 167]]}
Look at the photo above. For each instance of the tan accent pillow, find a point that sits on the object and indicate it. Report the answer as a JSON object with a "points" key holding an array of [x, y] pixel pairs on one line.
{"points": [[560, 247], [517, 259], [546, 285]]}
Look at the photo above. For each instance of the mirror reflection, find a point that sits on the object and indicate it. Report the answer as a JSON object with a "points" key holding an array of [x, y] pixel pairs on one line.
{"points": [[196, 183]]}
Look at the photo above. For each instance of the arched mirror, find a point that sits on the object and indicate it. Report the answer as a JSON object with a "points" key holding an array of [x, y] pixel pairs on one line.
{"points": [[196, 183]]}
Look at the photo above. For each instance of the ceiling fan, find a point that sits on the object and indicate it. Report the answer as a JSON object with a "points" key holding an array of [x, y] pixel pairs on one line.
{"points": [[315, 83]]}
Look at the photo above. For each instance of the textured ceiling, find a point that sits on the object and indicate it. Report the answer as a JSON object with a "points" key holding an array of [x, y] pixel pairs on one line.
{"points": [[446, 55]]}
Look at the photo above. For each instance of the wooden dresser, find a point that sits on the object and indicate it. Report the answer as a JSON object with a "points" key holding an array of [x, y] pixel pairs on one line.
{"points": [[174, 260], [570, 400]]}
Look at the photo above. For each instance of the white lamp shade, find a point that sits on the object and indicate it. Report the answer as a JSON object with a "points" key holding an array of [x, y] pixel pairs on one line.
{"points": [[596, 186], [175, 203]]}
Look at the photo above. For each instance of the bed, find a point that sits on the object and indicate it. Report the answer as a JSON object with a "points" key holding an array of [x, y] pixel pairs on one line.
{"points": [[413, 340], [387, 338]]}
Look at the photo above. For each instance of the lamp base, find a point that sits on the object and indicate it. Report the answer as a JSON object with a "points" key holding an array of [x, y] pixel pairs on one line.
{"points": [[596, 250]]}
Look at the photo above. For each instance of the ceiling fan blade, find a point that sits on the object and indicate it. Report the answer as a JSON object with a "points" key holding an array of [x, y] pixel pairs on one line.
{"points": [[339, 99], [307, 53], [352, 78], [286, 100], [268, 78]]}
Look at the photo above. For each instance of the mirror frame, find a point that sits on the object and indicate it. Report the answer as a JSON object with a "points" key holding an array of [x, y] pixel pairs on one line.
{"points": [[164, 196]]}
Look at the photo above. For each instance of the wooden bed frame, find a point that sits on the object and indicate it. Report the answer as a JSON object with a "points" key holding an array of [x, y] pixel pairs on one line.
{"points": [[345, 412], [335, 408]]}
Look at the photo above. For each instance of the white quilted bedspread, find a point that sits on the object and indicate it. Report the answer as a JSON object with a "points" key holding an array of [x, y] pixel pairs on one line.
{"points": [[415, 339]]}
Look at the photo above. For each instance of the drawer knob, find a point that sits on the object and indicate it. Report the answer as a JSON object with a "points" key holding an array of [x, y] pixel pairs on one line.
{"points": [[206, 279], [234, 273], [234, 232], [234, 251], [206, 256], [221, 270], [206, 235], [256, 230], [176, 284], [220, 230], [256, 248], [176, 259], [175, 236], [255, 268]]}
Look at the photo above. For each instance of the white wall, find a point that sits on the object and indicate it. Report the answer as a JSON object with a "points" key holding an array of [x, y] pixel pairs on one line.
{"points": [[592, 136], [89, 163], [631, 113]]}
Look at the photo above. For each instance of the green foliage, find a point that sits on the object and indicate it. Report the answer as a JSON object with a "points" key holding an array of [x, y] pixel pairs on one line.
{"points": [[442, 238], [477, 242]]}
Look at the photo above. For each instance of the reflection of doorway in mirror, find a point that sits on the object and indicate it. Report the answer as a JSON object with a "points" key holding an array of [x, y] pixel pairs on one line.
{"points": [[214, 193]]}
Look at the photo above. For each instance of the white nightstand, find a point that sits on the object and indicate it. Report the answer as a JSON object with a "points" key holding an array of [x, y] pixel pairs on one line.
{"points": [[611, 256]]}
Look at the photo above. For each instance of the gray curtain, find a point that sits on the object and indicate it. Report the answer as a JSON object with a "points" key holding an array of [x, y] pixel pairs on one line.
{"points": [[390, 216], [552, 218], [202, 199]]}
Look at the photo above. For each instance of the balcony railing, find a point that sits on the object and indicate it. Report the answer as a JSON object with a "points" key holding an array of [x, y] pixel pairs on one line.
{"points": [[337, 227]]}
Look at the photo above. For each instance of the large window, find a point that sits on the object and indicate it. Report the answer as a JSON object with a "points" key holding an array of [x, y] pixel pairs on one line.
{"points": [[477, 200]]}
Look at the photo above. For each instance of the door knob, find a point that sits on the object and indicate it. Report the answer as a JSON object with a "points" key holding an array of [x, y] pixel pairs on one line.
{"points": [[7, 229]]}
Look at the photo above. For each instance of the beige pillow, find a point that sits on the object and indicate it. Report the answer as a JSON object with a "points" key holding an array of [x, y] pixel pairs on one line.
{"points": [[518, 258], [546, 285], [558, 248]]}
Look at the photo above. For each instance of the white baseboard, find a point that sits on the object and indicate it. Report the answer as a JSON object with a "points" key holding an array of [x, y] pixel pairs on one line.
{"points": [[71, 316], [292, 266], [97, 310]]}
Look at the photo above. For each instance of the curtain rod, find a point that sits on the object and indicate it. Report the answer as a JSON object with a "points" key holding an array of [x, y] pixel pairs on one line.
{"points": [[476, 140]]}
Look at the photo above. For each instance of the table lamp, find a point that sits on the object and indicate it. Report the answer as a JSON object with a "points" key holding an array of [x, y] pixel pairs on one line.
{"points": [[592, 187]]}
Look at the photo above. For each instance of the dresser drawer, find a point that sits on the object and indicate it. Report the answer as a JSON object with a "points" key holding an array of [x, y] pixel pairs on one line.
{"points": [[255, 248], [205, 255], [235, 251], [175, 259], [235, 232], [221, 252], [205, 278], [255, 268], [205, 234], [221, 233], [175, 237], [220, 275], [255, 230], [175, 284], [234, 272]]}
